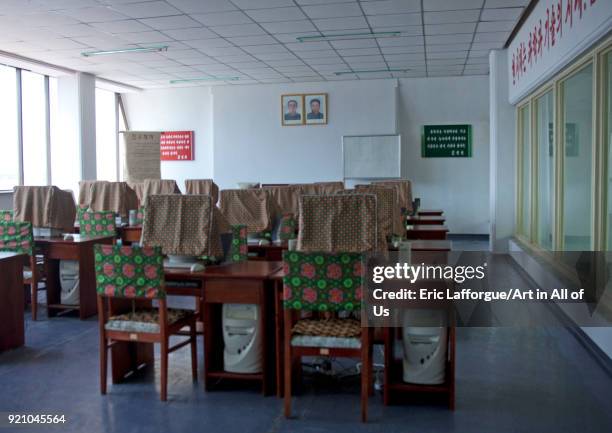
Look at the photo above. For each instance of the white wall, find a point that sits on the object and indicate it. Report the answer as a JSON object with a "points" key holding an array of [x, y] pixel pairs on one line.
{"points": [[459, 186], [251, 145], [178, 109], [248, 142]]}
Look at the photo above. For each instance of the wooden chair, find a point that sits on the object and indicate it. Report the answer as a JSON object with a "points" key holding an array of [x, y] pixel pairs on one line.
{"points": [[17, 237], [97, 223], [325, 283], [288, 227], [239, 250], [136, 273]]}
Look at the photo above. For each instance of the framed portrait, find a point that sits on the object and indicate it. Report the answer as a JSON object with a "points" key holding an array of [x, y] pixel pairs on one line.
{"points": [[292, 110], [315, 107]]}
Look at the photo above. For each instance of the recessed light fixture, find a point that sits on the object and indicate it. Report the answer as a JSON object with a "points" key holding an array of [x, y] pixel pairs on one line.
{"points": [[153, 49], [193, 80], [371, 71], [348, 36]]}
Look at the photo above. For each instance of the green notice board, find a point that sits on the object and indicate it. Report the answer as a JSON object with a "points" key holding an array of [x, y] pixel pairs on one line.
{"points": [[446, 141]]}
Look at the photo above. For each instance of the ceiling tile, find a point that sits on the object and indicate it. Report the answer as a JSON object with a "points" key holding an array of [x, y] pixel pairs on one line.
{"points": [[144, 37], [238, 30], [317, 54], [486, 45], [333, 10], [403, 40], [390, 7], [93, 14], [354, 43], [222, 18], [170, 23], [505, 3], [76, 30], [495, 26], [359, 52], [501, 14], [491, 37], [444, 5], [59, 44], [200, 6], [447, 55], [364, 59], [406, 49], [404, 57], [146, 9], [448, 39], [285, 62], [395, 20], [449, 29], [123, 26], [463, 16], [277, 14], [292, 37], [51, 19], [289, 27], [222, 51], [352, 23], [275, 56], [404, 30], [325, 60], [190, 33], [208, 43], [308, 46], [271, 48], [448, 47], [245, 41], [262, 4]]}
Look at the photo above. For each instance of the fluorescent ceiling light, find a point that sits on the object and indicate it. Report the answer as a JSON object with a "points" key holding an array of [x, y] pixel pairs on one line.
{"points": [[348, 36], [192, 80], [153, 49], [371, 71]]}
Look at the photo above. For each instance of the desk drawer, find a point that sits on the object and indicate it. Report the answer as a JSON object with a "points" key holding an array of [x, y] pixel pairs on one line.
{"points": [[235, 291]]}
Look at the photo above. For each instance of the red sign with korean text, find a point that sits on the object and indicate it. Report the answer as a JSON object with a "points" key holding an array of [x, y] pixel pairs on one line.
{"points": [[176, 146]]}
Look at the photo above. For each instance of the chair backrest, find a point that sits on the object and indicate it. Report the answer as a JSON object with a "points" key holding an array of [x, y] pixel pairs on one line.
{"points": [[129, 271], [338, 223], [389, 222], [239, 251], [287, 227], [322, 281], [6, 216], [97, 223], [404, 192], [16, 237], [140, 212]]}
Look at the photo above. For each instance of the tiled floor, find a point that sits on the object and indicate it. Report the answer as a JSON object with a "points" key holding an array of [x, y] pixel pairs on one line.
{"points": [[508, 380]]}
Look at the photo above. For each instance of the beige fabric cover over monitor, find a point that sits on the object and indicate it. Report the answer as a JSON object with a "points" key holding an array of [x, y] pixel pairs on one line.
{"points": [[109, 196], [44, 206], [329, 187], [202, 186], [142, 151], [251, 207], [286, 199], [389, 215], [180, 224], [158, 186], [85, 191], [338, 223], [404, 190]]}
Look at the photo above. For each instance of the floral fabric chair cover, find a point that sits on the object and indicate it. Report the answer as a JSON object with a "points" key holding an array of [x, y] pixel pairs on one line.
{"points": [[97, 223], [140, 216], [288, 226], [239, 249], [129, 271], [16, 237], [6, 216]]}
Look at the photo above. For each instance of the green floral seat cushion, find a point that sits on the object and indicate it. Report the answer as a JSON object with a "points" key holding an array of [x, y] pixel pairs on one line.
{"points": [[129, 271], [326, 342], [143, 320], [16, 237], [97, 223], [322, 281], [287, 228], [6, 216], [239, 250]]}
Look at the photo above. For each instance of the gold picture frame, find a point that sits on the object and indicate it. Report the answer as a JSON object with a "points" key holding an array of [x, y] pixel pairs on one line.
{"points": [[316, 108], [292, 115]]}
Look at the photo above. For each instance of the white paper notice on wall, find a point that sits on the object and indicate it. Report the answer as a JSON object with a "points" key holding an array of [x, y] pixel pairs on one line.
{"points": [[142, 151], [554, 34], [372, 156]]}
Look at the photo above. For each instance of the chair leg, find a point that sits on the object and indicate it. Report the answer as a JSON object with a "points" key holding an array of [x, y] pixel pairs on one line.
{"points": [[34, 299], [194, 350], [164, 369], [365, 382], [103, 364], [288, 379]]}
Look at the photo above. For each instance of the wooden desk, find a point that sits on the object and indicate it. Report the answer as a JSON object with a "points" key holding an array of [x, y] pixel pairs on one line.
{"points": [[430, 212], [130, 234], [81, 250], [238, 283], [431, 245], [11, 300], [426, 232], [426, 220], [272, 252]]}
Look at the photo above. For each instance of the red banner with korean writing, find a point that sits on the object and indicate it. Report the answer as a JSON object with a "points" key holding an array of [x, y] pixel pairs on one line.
{"points": [[176, 146]]}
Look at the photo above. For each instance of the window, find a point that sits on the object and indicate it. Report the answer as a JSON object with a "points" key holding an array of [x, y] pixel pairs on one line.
{"points": [[525, 176], [106, 136], [34, 113], [577, 160], [545, 128], [9, 163], [607, 81]]}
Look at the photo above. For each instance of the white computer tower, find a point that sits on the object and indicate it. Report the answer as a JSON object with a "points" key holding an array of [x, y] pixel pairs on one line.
{"points": [[242, 337], [69, 282], [424, 341]]}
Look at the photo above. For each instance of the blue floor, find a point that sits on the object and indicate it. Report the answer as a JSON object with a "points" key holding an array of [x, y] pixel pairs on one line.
{"points": [[537, 379]]}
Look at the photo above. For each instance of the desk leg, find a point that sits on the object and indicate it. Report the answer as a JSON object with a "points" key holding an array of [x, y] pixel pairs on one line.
{"points": [[278, 340], [87, 283], [52, 285]]}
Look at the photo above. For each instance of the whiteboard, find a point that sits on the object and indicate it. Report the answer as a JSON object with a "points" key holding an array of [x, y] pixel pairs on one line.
{"points": [[372, 156]]}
